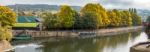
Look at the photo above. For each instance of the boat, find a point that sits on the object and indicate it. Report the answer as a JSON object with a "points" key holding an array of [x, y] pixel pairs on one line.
{"points": [[87, 34], [22, 37]]}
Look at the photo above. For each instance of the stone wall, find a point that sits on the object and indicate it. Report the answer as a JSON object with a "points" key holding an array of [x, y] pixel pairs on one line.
{"points": [[115, 31], [47, 33], [76, 33]]}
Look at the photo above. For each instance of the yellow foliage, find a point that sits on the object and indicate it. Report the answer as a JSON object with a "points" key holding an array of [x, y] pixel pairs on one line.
{"points": [[100, 12], [7, 16], [66, 16], [7, 19]]}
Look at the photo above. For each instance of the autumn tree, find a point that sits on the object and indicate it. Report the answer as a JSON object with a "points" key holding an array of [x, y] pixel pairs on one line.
{"points": [[7, 19], [126, 18], [113, 19], [21, 14], [148, 19], [101, 16], [78, 21], [66, 16]]}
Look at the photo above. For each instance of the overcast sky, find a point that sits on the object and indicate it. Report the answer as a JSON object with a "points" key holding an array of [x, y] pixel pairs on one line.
{"points": [[142, 4]]}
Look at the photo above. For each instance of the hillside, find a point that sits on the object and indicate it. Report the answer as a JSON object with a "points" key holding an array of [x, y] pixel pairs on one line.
{"points": [[45, 7], [38, 7]]}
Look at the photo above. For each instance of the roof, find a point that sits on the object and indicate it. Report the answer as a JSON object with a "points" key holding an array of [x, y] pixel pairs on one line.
{"points": [[27, 19], [26, 24]]}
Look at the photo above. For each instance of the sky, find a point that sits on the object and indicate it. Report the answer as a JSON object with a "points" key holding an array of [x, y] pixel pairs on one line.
{"points": [[110, 4]]}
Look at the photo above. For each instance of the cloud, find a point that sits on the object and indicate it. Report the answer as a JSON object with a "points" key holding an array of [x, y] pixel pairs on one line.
{"points": [[54, 2], [117, 3], [142, 4]]}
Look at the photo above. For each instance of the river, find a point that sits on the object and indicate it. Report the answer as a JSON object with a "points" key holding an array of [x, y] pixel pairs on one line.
{"points": [[116, 43]]}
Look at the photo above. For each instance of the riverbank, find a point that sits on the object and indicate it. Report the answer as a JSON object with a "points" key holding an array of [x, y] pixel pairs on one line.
{"points": [[115, 31], [4, 45], [79, 33]]}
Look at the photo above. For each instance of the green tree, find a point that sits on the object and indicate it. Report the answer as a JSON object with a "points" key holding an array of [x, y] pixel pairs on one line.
{"points": [[50, 21], [66, 16], [148, 19], [103, 14], [118, 17], [136, 18], [89, 21]]}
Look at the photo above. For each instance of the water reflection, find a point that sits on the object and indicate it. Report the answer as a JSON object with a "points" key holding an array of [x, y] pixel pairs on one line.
{"points": [[118, 43]]}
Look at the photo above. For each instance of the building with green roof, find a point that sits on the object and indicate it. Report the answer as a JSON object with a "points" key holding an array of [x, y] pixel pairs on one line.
{"points": [[26, 23]]}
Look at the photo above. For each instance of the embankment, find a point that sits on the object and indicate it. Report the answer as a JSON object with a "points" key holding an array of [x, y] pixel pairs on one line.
{"points": [[4, 45], [77, 33], [115, 31]]}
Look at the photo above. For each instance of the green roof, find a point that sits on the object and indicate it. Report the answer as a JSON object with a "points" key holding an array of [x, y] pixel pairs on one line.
{"points": [[25, 24], [26, 19]]}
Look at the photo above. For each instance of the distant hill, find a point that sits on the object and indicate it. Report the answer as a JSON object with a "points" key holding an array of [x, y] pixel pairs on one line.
{"points": [[38, 7], [42, 7]]}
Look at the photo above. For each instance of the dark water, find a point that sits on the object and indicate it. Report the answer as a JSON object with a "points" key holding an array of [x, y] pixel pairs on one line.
{"points": [[117, 43]]}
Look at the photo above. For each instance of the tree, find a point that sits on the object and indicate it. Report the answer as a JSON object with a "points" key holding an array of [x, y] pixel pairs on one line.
{"points": [[127, 19], [7, 19], [113, 19], [99, 11], [50, 21], [66, 16], [148, 19], [78, 21], [21, 14], [136, 18], [103, 14], [118, 17], [89, 21]]}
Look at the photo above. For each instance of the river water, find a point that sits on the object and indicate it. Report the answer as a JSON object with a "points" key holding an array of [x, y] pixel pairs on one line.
{"points": [[117, 43]]}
